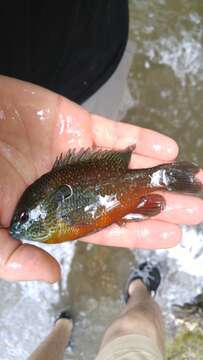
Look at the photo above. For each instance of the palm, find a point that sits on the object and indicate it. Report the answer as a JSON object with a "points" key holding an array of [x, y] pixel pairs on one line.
{"points": [[36, 126]]}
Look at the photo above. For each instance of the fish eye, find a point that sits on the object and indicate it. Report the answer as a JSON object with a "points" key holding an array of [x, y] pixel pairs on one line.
{"points": [[24, 217]]}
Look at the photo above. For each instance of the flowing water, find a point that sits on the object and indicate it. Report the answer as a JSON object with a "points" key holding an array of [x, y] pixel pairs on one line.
{"points": [[165, 94]]}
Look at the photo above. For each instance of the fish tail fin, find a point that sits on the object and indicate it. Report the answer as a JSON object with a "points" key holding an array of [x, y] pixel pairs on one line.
{"points": [[179, 176]]}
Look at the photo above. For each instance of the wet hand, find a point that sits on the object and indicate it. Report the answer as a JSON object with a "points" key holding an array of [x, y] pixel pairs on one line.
{"points": [[37, 125]]}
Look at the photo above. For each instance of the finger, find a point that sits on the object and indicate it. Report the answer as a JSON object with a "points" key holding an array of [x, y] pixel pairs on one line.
{"points": [[25, 262], [11, 187], [200, 176], [148, 234], [46, 123], [29, 110], [72, 127], [118, 135], [143, 162], [181, 209]]}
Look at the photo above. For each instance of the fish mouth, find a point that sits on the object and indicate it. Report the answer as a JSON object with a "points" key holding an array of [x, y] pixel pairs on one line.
{"points": [[18, 236], [15, 231], [15, 234]]}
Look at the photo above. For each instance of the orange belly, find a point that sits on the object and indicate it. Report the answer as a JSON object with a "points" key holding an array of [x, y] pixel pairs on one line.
{"points": [[107, 218]]}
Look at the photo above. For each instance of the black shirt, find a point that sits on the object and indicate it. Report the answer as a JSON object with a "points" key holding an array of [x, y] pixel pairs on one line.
{"points": [[71, 47]]}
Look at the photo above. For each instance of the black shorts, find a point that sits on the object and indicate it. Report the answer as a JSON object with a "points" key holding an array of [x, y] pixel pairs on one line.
{"points": [[70, 47]]}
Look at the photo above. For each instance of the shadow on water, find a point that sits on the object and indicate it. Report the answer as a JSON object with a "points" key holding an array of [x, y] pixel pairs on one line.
{"points": [[96, 283]]}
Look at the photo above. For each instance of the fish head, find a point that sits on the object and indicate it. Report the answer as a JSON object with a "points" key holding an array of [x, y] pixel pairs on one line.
{"points": [[35, 216], [30, 224]]}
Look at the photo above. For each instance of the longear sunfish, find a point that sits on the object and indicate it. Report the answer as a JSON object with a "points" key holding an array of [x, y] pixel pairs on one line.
{"points": [[88, 190]]}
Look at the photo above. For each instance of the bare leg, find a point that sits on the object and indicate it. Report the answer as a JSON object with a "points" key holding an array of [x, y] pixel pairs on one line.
{"points": [[53, 347], [141, 316]]}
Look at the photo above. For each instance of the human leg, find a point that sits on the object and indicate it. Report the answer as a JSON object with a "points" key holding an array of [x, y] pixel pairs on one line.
{"points": [[138, 333], [53, 347]]}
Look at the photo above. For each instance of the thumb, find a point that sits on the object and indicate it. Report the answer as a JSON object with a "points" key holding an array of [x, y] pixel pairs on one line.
{"points": [[25, 262]]}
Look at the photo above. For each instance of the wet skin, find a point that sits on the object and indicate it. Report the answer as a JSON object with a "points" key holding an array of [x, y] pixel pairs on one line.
{"points": [[35, 126]]}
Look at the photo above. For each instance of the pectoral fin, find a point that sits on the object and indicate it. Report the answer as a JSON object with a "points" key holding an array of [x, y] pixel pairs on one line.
{"points": [[149, 205]]}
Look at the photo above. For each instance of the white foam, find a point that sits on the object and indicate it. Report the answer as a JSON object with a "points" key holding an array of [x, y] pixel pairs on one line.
{"points": [[189, 254], [183, 55]]}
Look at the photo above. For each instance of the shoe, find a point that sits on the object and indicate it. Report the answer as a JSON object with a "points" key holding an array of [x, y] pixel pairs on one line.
{"points": [[149, 274], [64, 315]]}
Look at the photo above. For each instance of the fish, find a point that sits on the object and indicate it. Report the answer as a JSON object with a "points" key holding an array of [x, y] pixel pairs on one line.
{"points": [[90, 189]]}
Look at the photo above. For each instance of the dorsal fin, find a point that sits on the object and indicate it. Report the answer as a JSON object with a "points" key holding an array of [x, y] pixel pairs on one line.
{"points": [[90, 156]]}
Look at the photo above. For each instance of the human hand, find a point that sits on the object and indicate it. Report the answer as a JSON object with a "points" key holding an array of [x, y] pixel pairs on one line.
{"points": [[36, 125]]}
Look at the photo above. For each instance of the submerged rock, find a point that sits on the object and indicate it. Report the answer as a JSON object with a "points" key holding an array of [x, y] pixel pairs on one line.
{"points": [[188, 345]]}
